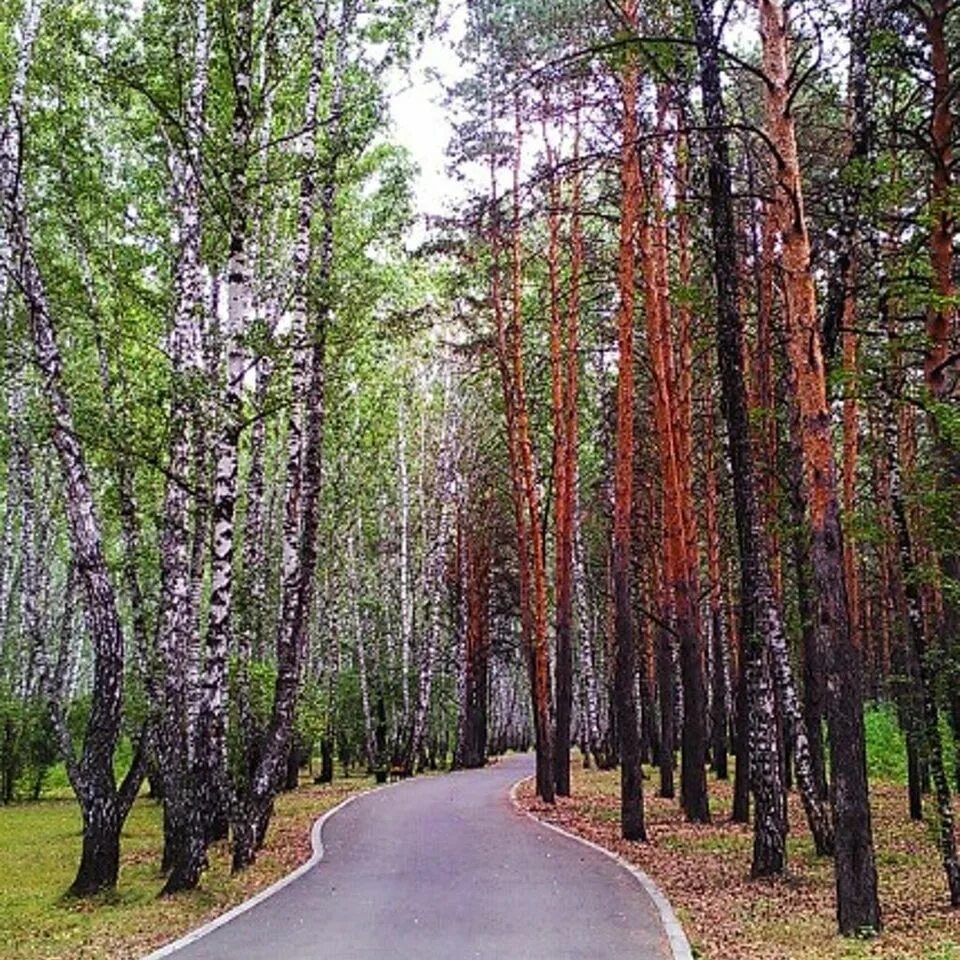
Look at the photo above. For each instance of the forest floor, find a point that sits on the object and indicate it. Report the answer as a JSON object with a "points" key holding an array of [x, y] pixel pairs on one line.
{"points": [[704, 871], [39, 853]]}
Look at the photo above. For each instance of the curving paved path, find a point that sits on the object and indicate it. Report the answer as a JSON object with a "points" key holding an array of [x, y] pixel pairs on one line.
{"points": [[445, 868]]}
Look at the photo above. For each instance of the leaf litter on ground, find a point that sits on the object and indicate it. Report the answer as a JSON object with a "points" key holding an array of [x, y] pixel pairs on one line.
{"points": [[704, 870]]}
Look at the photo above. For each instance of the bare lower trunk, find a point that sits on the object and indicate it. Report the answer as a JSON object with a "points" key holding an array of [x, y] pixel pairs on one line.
{"points": [[741, 745], [585, 647], [666, 684], [718, 638]]}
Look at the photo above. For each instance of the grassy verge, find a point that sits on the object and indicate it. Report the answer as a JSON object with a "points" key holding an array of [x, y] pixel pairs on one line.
{"points": [[38, 856], [704, 871]]}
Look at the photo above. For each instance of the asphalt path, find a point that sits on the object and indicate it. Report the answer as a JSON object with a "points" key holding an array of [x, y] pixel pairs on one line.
{"points": [[445, 868]]}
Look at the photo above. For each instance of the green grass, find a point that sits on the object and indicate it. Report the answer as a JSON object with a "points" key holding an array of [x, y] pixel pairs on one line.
{"points": [[886, 750], [886, 747], [38, 860], [39, 852]]}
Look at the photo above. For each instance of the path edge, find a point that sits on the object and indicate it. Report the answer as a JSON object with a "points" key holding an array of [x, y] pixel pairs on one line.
{"points": [[316, 842], [677, 939]]}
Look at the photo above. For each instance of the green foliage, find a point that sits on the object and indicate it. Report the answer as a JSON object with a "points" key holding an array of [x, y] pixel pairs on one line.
{"points": [[27, 748], [311, 714], [886, 749]]}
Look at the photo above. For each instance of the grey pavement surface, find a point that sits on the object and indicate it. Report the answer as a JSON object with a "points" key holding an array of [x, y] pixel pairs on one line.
{"points": [[445, 868]]}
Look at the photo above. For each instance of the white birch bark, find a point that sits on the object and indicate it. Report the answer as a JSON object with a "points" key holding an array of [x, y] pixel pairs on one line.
{"points": [[406, 600], [102, 808], [211, 731], [305, 431], [7, 561], [354, 560], [446, 493], [92, 778], [10, 144], [177, 604], [302, 251], [266, 308], [462, 665], [586, 637], [301, 340]]}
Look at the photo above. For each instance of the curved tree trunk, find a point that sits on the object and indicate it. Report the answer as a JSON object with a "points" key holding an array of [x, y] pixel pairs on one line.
{"points": [[103, 805]]}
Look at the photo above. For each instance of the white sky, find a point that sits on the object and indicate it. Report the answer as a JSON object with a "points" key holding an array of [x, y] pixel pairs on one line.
{"points": [[420, 122]]}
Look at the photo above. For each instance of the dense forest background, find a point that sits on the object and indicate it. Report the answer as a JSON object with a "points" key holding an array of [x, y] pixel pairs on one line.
{"points": [[649, 445]]}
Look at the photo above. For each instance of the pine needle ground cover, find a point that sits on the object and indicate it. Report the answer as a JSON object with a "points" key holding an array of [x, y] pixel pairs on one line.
{"points": [[704, 871], [38, 858]]}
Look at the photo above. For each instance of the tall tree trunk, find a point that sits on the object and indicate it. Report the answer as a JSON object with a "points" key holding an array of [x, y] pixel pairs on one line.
{"points": [[183, 854], [570, 399], [717, 626], [530, 552], [209, 773], [800, 752], [857, 904], [563, 458], [538, 596], [631, 776], [671, 377], [842, 295], [769, 848], [304, 438], [941, 375], [103, 805]]}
